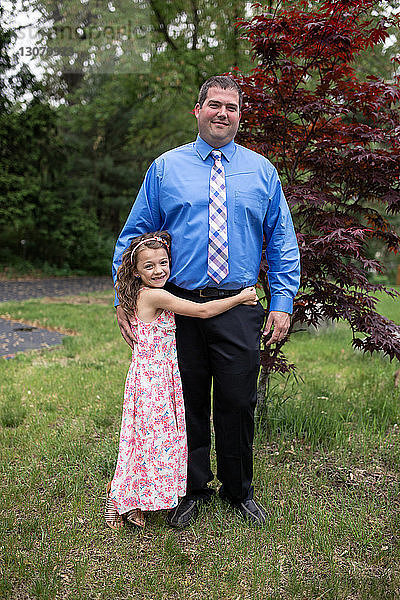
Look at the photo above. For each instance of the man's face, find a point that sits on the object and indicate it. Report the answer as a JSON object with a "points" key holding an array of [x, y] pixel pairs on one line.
{"points": [[218, 119]]}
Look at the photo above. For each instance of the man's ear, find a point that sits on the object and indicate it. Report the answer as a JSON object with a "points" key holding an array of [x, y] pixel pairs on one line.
{"points": [[196, 110]]}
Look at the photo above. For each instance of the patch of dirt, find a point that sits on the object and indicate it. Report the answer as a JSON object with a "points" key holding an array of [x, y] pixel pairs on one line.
{"points": [[101, 300], [38, 324], [4, 276]]}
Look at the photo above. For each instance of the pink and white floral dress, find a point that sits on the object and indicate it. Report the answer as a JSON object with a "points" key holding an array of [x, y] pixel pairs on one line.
{"points": [[152, 459]]}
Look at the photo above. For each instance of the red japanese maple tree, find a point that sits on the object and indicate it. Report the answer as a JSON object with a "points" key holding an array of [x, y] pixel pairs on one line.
{"points": [[335, 141]]}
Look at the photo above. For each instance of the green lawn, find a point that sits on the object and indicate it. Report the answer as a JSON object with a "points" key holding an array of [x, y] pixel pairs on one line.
{"points": [[327, 463]]}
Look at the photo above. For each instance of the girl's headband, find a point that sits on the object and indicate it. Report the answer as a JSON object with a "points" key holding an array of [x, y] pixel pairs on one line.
{"points": [[153, 239]]}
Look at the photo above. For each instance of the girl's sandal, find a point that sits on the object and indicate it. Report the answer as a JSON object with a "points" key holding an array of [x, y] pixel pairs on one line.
{"points": [[136, 517], [113, 519]]}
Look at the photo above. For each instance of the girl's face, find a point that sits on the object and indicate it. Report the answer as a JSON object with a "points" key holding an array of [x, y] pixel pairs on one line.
{"points": [[153, 266]]}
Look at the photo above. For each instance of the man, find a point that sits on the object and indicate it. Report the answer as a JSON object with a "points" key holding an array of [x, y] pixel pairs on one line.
{"points": [[217, 199]]}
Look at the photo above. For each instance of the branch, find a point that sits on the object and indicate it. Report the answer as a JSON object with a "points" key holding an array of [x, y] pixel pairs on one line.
{"points": [[195, 37], [163, 27]]}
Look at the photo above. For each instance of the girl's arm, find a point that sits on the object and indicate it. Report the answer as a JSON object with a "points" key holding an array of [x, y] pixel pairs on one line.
{"points": [[157, 299]]}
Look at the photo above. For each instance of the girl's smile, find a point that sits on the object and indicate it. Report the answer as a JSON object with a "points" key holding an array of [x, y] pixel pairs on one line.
{"points": [[152, 266]]}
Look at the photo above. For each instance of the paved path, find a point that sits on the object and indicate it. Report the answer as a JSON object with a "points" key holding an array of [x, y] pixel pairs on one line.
{"points": [[19, 337], [58, 286]]}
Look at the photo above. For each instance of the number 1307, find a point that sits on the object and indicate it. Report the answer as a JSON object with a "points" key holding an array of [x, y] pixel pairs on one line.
{"points": [[32, 50]]}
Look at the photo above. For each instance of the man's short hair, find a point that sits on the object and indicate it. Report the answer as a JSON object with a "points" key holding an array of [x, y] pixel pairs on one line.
{"points": [[219, 81]]}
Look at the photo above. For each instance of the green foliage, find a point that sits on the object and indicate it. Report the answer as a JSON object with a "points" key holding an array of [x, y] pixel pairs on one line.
{"points": [[380, 61], [43, 217], [70, 172]]}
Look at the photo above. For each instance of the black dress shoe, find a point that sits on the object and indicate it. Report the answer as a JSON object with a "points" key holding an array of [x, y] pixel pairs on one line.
{"points": [[252, 512], [184, 514]]}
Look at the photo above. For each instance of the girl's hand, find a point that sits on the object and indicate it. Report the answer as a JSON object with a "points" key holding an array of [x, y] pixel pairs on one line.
{"points": [[248, 296]]}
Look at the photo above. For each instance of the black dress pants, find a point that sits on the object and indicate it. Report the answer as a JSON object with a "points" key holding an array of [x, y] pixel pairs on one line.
{"points": [[226, 350]]}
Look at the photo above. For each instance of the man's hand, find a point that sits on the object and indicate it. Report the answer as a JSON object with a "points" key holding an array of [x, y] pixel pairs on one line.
{"points": [[280, 322], [125, 327]]}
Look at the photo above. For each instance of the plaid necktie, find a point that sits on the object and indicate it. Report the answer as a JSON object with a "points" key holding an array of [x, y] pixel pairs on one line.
{"points": [[217, 222]]}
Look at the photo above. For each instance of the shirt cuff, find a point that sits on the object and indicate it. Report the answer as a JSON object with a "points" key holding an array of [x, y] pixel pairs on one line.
{"points": [[281, 303]]}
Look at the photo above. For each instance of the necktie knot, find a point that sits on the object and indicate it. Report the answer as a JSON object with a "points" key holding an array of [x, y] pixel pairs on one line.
{"points": [[216, 154]]}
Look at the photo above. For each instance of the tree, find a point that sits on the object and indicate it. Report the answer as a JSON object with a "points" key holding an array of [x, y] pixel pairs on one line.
{"points": [[106, 109], [24, 137], [335, 140], [40, 218], [115, 121]]}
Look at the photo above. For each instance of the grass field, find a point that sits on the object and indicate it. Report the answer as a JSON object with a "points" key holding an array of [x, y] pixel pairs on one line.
{"points": [[327, 462]]}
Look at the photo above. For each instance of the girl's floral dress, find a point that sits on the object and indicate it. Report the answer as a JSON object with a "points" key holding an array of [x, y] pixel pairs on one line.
{"points": [[152, 459]]}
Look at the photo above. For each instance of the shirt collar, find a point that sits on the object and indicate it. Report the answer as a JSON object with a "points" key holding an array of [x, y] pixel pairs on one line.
{"points": [[204, 149]]}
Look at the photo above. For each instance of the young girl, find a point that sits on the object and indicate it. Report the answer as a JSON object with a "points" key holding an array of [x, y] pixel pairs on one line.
{"points": [[151, 467]]}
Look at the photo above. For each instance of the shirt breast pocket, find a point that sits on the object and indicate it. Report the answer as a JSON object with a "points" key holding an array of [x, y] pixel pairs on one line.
{"points": [[248, 208]]}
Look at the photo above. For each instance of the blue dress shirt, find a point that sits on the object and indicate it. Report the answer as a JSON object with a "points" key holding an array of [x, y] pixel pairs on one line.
{"points": [[174, 197]]}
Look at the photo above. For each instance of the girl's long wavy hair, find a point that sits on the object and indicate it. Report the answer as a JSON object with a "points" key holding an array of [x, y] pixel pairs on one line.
{"points": [[128, 284]]}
